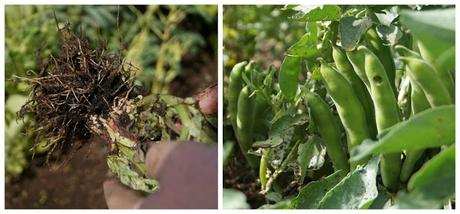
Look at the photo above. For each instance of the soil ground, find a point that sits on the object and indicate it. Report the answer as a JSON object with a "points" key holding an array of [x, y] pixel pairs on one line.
{"points": [[77, 184]]}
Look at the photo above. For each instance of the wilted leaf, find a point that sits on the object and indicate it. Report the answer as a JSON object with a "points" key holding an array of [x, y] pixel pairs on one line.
{"points": [[390, 34], [311, 155]]}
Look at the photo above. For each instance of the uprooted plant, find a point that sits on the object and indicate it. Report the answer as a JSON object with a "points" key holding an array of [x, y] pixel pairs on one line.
{"points": [[87, 91]]}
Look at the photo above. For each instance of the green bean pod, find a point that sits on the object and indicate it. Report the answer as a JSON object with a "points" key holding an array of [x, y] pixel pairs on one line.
{"points": [[403, 51], [356, 59], [329, 130], [263, 167], [245, 124], [419, 103], [235, 84], [386, 114], [425, 75], [444, 75], [383, 52], [345, 68], [261, 109], [350, 110]]}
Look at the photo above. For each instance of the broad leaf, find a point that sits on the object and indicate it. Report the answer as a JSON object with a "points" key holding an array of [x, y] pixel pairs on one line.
{"points": [[289, 76], [282, 130], [312, 13], [437, 24], [356, 191], [432, 185], [311, 194], [306, 47], [415, 201], [436, 178], [428, 129], [382, 201], [351, 29]]}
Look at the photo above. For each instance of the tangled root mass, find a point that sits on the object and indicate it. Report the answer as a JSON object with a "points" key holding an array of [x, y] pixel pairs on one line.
{"points": [[81, 81]]}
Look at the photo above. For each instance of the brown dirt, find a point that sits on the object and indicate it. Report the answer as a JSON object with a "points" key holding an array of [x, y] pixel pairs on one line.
{"points": [[78, 184]]}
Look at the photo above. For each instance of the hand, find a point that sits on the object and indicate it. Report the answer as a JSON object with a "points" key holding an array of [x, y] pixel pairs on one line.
{"points": [[187, 172]]}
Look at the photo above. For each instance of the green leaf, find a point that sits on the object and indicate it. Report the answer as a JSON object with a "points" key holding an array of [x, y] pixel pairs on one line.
{"points": [[311, 13], [282, 130], [428, 129], [274, 196], [312, 29], [356, 191], [432, 185], [286, 122], [311, 155], [289, 76], [271, 142], [435, 31], [436, 178], [446, 61], [415, 201], [311, 194], [351, 29], [234, 199], [306, 47], [435, 24]]}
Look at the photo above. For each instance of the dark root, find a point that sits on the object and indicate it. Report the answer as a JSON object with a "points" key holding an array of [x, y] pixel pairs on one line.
{"points": [[81, 81]]}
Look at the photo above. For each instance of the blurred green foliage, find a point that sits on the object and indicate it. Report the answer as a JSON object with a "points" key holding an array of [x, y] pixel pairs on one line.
{"points": [[261, 33], [153, 38]]}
